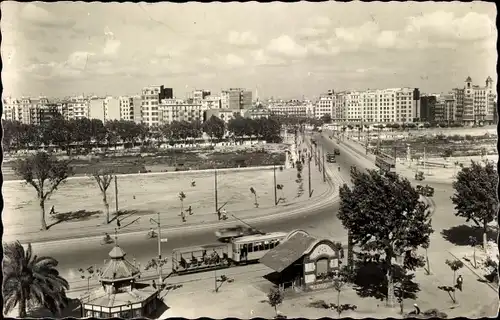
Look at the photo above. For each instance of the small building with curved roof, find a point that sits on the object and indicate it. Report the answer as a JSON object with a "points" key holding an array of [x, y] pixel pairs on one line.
{"points": [[304, 262], [120, 294]]}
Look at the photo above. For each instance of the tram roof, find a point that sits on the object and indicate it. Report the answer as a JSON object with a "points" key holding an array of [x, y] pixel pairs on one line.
{"points": [[260, 237], [200, 248]]}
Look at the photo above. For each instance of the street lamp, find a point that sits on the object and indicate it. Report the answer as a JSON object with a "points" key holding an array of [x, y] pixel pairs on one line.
{"points": [[160, 262]]}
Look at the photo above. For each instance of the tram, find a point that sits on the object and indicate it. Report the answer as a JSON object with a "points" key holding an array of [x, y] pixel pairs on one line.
{"points": [[239, 251]]}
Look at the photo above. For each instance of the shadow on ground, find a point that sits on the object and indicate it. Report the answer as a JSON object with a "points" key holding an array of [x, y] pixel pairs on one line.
{"points": [[80, 215], [370, 281], [123, 214], [459, 235]]}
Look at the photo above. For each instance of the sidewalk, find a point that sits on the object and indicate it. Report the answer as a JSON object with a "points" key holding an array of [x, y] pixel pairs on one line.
{"points": [[28, 229]]}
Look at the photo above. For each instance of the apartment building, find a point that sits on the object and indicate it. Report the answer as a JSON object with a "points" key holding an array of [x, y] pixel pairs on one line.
{"points": [[78, 107], [427, 108], [96, 109], [199, 95], [290, 108], [178, 110], [112, 109], [325, 105], [151, 97], [137, 109], [478, 102], [445, 108], [28, 110], [211, 102], [126, 108], [224, 114], [236, 98]]}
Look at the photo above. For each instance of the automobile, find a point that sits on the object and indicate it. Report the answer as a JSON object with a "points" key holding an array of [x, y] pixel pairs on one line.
{"points": [[419, 176], [330, 157], [426, 191], [336, 151], [229, 233]]}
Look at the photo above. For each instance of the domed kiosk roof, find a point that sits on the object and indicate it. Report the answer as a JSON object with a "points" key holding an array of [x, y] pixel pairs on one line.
{"points": [[118, 268]]}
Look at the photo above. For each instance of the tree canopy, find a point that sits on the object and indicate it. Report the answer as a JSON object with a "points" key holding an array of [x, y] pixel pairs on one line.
{"points": [[384, 215], [475, 196]]}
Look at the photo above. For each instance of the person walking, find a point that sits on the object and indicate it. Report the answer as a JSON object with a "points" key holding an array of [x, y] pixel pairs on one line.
{"points": [[460, 282], [52, 210]]}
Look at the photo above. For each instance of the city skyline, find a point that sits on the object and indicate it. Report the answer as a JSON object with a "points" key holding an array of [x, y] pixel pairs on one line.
{"points": [[283, 50]]}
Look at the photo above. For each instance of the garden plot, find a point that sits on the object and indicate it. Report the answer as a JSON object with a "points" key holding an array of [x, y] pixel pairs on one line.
{"points": [[79, 198]]}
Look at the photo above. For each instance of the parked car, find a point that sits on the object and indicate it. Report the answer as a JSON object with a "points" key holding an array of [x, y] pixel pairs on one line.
{"points": [[419, 176], [336, 151], [330, 157]]}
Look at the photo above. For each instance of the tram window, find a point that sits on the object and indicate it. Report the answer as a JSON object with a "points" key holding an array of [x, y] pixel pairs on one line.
{"points": [[266, 245], [271, 244], [256, 247], [250, 247]]}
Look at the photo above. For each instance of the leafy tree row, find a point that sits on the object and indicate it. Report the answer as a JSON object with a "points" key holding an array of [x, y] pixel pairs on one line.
{"points": [[88, 133]]}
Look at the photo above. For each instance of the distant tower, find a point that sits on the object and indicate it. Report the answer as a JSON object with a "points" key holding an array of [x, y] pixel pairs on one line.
{"points": [[256, 94], [489, 82], [468, 83]]}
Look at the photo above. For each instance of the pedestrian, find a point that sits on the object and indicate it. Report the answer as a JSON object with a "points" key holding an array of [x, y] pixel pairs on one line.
{"points": [[52, 210], [190, 211], [154, 284], [224, 214], [460, 281], [183, 216], [218, 213], [134, 197]]}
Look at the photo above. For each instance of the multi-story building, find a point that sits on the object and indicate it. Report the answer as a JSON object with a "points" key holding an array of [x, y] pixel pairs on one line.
{"points": [[236, 98], [78, 107], [199, 95], [325, 105], [385, 105], [224, 114], [427, 108], [151, 97], [445, 109], [289, 108], [112, 109], [126, 108], [479, 102], [47, 112], [62, 108], [10, 108], [96, 109], [459, 96], [178, 110], [137, 109], [211, 102]]}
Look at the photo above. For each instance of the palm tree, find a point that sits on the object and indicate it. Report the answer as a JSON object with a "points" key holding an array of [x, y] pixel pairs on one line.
{"points": [[31, 279]]}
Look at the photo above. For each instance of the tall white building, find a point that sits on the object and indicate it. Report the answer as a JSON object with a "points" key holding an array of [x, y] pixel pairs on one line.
{"points": [[178, 110], [151, 97], [126, 108], [96, 108], [112, 109], [78, 107], [479, 102], [211, 102]]}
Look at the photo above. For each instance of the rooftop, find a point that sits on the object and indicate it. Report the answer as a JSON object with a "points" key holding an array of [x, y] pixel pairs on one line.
{"points": [[100, 297]]}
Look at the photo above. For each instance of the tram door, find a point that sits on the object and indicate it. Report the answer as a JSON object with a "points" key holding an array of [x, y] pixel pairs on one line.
{"points": [[244, 252]]}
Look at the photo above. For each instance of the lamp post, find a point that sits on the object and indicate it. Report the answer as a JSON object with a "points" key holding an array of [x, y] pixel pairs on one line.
{"points": [[158, 265]]}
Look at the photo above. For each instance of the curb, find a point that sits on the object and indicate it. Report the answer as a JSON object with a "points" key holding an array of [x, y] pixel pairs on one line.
{"points": [[325, 201], [474, 272]]}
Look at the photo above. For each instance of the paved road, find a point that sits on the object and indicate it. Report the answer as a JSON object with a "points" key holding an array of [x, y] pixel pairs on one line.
{"points": [[83, 253]]}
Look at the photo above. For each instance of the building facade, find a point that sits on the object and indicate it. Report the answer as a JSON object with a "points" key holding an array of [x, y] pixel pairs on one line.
{"points": [[112, 109], [224, 114], [290, 108], [78, 107], [479, 102], [236, 98], [200, 95], [427, 108], [96, 109], [151, 97], [178, 110]]}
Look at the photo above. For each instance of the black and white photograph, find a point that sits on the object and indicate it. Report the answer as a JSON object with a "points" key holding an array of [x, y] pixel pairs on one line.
{"points": [[249, 160]]}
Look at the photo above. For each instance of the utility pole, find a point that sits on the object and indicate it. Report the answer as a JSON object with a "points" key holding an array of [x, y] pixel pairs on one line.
{"points": [[158, 265], [424, 160], [116, 195], [216, 196], [324, 171], [309, 174], [274, 186]]}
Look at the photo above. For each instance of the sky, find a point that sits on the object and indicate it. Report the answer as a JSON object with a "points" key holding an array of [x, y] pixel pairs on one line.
{"points": [[283, 50]]}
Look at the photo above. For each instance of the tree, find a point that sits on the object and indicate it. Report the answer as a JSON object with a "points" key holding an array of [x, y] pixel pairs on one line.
{"points": [[275, 297], [403, 284], [475, 196], [45, 173], [383, 214], [447, 153], [182, 196], [252, 190], [339, 280], [214, 128], [454, 265], [98, 131], [31, 279], [238, 126], [103, 179], [473, 244]]}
